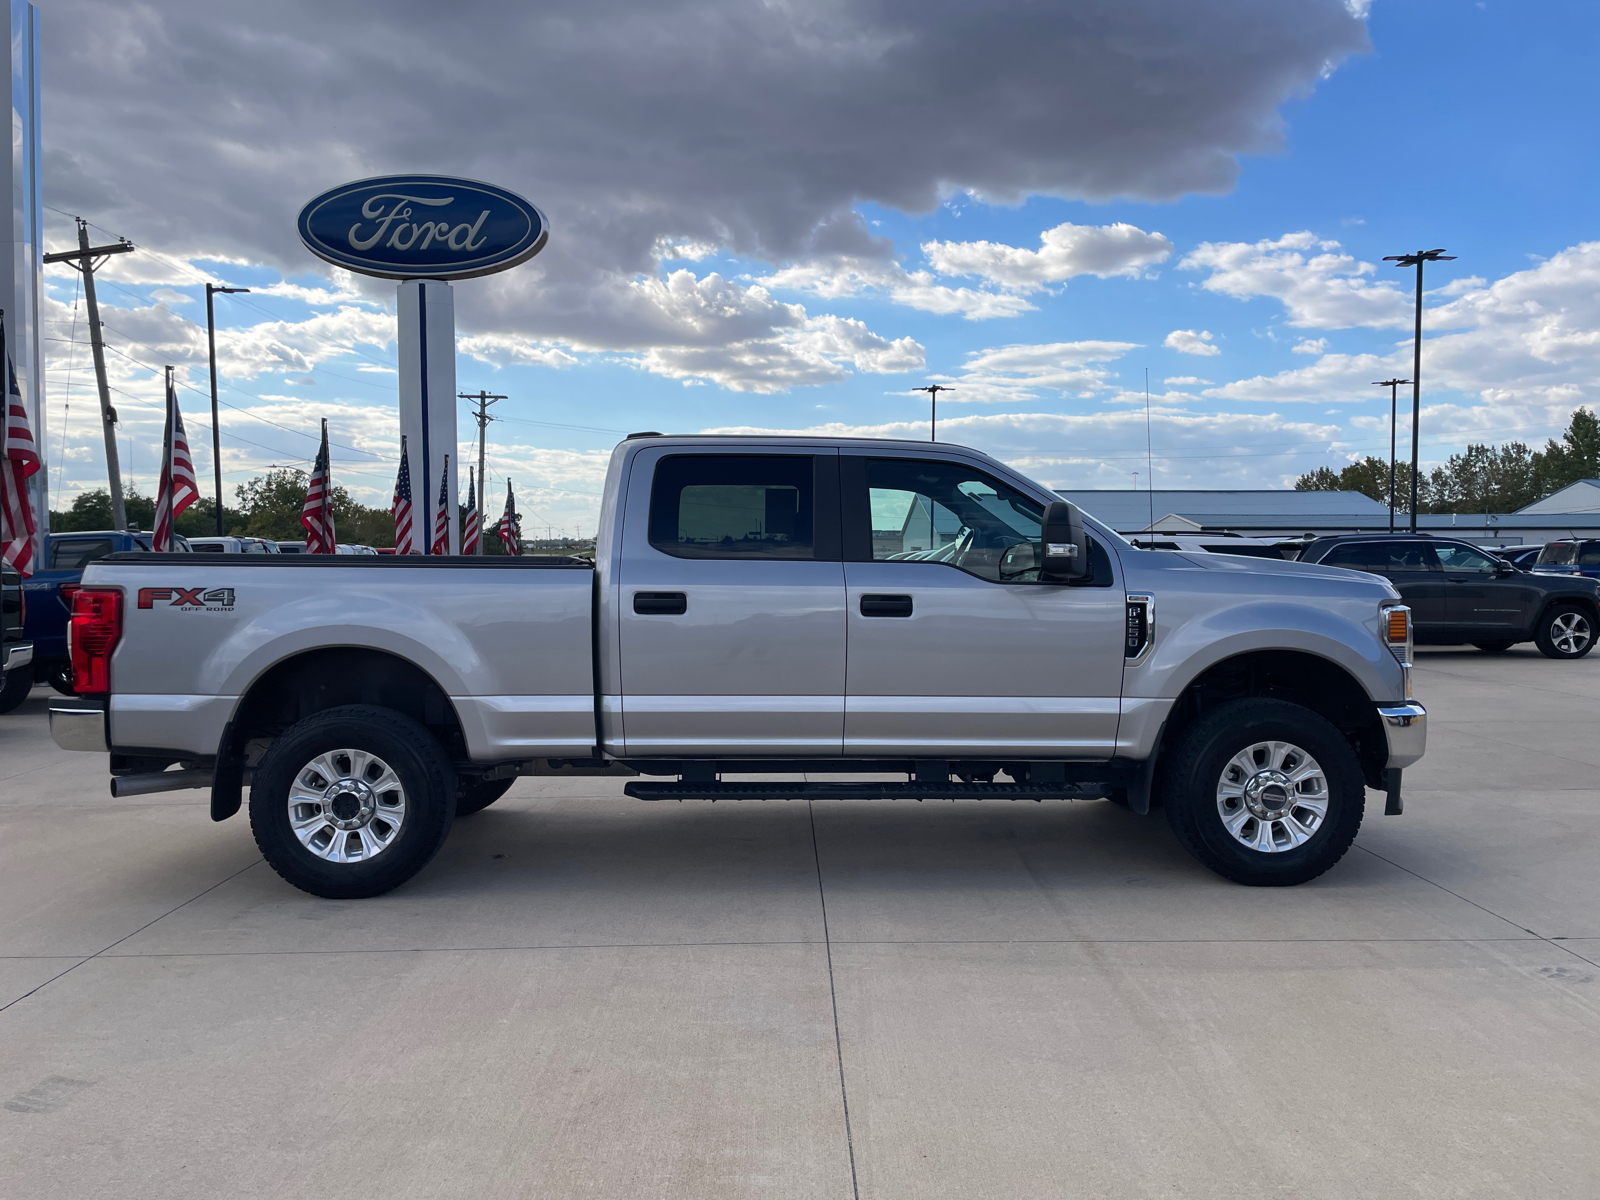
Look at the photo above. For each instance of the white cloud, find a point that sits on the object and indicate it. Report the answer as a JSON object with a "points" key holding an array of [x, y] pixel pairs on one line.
{"points": [[1192, 341], [851, 276], [1319, 287], [839, 106], [1065, 252], [1185, 381], [1009, 374], [816, 351], [1310, 346]]}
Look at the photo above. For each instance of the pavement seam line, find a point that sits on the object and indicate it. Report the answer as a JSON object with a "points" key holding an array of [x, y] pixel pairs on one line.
{"points": [[1480, 907], [135, 932], [833, 997]]}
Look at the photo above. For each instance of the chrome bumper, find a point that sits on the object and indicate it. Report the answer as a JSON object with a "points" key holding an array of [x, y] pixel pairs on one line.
{"points": [[78, 725], [17, 654], [1406, 727]]}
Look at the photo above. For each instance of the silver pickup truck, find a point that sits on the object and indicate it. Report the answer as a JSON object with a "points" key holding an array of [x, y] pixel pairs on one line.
{"points": [[757, 605]]}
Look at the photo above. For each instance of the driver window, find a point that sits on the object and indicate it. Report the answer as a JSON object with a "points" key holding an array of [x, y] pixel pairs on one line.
{"points": [[1462, 558], [944, 512]]}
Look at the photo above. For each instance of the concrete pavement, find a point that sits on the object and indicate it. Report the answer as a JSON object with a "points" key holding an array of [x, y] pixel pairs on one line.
{"points": [[586, 995]]}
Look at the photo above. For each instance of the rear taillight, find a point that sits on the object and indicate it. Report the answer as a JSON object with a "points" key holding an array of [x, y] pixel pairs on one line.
{"points": [[95, 629]]}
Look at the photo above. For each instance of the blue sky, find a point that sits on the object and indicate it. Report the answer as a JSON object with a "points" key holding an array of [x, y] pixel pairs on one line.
{"points": [[1467, 125]]}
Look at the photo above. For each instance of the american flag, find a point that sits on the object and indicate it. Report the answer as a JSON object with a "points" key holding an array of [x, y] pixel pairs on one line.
{"points": [[510, 527], [472, 528], [19, 460], [404, 543], [317, 513], [441, 522], [177, 488]]}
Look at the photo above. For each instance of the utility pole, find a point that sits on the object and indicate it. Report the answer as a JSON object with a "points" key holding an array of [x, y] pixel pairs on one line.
{"points": [[1416, 260], [483, 418], [216, 426], [1392, 385], [88, 259], [933, 390]]}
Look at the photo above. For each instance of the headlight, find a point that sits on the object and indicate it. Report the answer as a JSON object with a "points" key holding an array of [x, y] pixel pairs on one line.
{"points": [[1395, 629]]}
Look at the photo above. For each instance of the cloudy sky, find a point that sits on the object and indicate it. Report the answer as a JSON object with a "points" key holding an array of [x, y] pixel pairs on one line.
{"points": [[786, 215]]}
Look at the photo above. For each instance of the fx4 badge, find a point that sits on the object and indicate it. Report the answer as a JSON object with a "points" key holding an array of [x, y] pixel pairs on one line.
{"points": [[189, 599]]}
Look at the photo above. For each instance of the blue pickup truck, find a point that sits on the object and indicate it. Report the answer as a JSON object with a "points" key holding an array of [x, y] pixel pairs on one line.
{"points": [[49, 594]]}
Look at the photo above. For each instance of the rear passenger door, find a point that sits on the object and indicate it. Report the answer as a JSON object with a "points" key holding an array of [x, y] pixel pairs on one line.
{"points": [[730, 609]]}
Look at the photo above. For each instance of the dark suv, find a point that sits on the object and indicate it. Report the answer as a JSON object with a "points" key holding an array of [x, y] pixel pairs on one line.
{"points": [[1461, 594]]}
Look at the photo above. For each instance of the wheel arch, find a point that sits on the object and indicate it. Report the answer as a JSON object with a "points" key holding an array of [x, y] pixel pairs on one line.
{"points": [[1324, 686]]}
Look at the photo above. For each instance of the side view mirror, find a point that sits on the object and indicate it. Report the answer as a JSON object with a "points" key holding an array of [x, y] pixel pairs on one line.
{"points": [[1066, 546]]}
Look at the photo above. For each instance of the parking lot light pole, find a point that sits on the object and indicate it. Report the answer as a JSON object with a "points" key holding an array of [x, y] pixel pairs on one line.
{"points": [[216, 432], [1416, 260], [933, 390], [1393, 386]]}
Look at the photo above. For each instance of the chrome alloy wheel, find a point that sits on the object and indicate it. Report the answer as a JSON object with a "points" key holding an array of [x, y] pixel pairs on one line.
{"points": [[1570, 632], [1272, 796], [346, 806]]}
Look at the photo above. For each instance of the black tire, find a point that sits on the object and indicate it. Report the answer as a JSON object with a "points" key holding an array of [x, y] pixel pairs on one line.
{"points": [[15, 690], [1494, 647], [1564, 631], [59, 676], [427, 787], [1195, 774], [477, 794]]}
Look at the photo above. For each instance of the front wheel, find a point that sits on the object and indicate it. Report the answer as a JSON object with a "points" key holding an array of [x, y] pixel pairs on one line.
{"points": [[1265, 793], [1564, 631], [352, 801]]}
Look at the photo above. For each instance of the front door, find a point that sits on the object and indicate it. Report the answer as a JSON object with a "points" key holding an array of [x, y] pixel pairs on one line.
{"points": [[1481, 599], [731, 606], [955, 648]]}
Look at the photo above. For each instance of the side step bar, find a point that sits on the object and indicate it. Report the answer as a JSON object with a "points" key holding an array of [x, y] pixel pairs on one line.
{"points": [[910, 790]]}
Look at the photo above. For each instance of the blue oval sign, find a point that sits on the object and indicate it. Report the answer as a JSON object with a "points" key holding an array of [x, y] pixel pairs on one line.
{"points": [[422, 227]]}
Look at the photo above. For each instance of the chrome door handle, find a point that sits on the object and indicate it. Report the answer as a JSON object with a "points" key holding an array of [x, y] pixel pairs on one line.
{"points": [[885, 606], [660, 604]]}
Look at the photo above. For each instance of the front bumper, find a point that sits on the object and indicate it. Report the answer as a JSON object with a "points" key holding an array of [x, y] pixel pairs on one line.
{"points": [[1406, 728], [15, 655], [78, 724]]}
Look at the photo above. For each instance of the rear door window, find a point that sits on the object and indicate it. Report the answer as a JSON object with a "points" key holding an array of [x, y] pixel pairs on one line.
{"points": [[1383, 558], [78, 553], [1589, 556], [749, 506]]}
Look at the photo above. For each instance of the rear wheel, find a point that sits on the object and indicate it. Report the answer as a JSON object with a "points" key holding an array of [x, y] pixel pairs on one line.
{"points": [[14, 691], [1564, 631], [478, 794], [352, 801], [59, 676], [1265, 793], [1494, 647]]}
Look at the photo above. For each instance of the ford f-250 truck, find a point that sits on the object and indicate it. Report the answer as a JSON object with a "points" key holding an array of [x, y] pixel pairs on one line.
{"points": [[756, 605]]}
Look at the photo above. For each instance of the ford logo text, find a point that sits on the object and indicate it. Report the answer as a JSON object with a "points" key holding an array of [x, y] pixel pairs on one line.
{"points": [[422, 227]]}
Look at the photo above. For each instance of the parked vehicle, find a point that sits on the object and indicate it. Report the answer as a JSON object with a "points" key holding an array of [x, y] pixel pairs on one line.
{"points": [[49, 591], [1246, 547], [233, 545], [16, 650], [1569, 556], [1459, 594], [745, 612], [1520, 557]]}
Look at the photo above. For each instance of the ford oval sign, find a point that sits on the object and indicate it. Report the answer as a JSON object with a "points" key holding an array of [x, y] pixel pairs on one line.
{"points": [[422, 227]]}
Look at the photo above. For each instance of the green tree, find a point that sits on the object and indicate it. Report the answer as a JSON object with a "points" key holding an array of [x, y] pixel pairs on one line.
{"points": [[1576, 456], [271, 504], [1370, 477]]}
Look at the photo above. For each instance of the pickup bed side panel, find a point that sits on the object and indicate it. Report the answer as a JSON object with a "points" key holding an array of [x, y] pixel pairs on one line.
{"points": [[510, 648]]}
